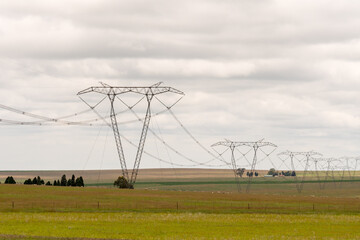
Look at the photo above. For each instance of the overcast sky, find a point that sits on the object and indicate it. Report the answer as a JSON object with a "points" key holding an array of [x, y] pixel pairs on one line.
{"points": [[287, 71]]}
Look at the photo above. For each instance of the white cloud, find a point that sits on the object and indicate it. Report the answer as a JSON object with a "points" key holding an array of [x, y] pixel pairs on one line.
{"points": [[284, 70]]}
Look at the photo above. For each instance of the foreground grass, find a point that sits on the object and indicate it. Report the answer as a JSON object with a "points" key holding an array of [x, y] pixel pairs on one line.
{"points": [[41, 212], [131, 225]]}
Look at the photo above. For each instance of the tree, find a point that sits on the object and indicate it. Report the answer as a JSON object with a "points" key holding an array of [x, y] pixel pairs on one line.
{"points": [[82, 181], [55, 183], [256, 174], [63, 180], [293, 174], [10, 180], [240, 171], [73, 183], [121, 182], [28, 182], [58, 183], [48, 183], [247, 174], [68, 183], [35, 181], [272, 171], [79, 182]]}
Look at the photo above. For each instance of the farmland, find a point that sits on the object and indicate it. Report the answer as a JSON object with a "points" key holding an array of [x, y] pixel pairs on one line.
{"points": [[188, 208]]}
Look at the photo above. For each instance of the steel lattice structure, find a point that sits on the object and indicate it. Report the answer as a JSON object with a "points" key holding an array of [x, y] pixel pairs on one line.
{"points": [[329, 168], [308, 156], [113, 92], [255, 145]]}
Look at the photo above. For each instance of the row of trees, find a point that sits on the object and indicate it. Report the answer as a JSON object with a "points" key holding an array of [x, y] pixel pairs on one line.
{"points": [[251, 174], [288, 173], [36, 181], [73, 182], [273, 172], [240, 172]]}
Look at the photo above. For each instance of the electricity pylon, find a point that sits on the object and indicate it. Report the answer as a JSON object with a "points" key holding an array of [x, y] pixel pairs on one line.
{"points": [[329, 168], [308, 155], [316, 161], [112, 93], [357, 159], [232, 145], [350, 168], [255, 145]]}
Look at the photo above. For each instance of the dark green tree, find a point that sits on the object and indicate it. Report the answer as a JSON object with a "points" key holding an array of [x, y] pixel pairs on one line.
{"points": [[63, 180], [240, 171], [273, 172], [79, 182], [55, 183], [35, 181], [48, 183], [28, 182], [73, 181], [10, 180], [68, 183], [82, 182], [121, 182]]}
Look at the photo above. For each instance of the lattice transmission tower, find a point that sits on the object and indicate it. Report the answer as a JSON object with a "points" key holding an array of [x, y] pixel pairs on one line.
{"points": [[329, 170], [308, 157], [255, 146], [113, 93]]}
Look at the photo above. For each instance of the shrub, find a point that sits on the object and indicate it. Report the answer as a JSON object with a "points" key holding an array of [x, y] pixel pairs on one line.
{"points": [[10, 180], [121, 182], [28, 182]]}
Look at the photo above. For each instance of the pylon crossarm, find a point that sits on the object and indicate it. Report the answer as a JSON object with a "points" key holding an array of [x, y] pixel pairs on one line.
{"points": [[228, 143], [139, 90], [249, 144]]}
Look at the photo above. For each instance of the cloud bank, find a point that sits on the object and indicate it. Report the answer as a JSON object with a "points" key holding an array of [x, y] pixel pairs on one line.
{"points": [[287, 71]]}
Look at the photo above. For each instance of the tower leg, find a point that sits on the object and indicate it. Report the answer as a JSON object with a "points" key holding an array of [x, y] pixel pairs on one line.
{"points": [[115, 129], [318, 175], [304, 174], [293, 168], [233, 162], [251, 175], [142, 141], [326, 176]]}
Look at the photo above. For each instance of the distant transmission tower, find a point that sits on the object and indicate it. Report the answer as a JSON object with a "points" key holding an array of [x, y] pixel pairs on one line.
{"points": [[329, 168], [112, 93], [255, 145], [232, 145], [350, 168], [308, 156]]}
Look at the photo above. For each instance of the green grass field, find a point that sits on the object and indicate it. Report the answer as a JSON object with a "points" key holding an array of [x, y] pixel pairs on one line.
{"points": [[164, 225], [43, 212]]}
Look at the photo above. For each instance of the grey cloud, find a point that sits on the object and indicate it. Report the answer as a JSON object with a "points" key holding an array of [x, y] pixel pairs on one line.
{"points": [[284, 70]]}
